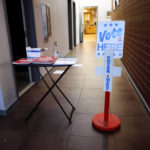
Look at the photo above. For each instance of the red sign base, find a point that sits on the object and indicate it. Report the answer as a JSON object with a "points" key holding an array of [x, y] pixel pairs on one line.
{"points": [[111, 124]]}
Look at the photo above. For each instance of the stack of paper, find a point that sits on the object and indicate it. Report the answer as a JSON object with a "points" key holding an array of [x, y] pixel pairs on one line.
{"points": [[41, 60], [44, 60], [66, 61], [23, 61]]}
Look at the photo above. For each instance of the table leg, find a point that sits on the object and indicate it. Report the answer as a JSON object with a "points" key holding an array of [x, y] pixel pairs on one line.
{"points": [[50, 90], [59, 88]]}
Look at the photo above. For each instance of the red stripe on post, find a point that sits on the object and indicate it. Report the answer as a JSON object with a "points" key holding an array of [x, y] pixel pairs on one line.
{"points": [[106, 109]]}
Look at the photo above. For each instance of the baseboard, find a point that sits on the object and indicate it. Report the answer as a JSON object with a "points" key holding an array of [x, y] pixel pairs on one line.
{"points": [[25, 89], [136, 90], [3, 113]]}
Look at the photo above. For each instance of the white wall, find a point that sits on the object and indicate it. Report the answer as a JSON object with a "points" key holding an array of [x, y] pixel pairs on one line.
{"points": [[59, 27], [7, 83]]}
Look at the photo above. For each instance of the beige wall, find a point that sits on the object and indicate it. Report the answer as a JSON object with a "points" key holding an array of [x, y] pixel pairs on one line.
{"points": [[7, 82], [59, 25]]}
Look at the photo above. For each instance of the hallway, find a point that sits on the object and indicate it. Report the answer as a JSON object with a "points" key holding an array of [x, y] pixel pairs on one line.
{"points": [[48, 128]]}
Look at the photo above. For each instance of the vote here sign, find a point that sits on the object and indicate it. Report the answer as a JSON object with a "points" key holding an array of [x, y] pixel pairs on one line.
{"points": [[110, 36]]}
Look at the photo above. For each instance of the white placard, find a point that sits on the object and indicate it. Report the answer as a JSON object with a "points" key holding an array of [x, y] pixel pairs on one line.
{"points": [[110, 35], [108, 71], [34, 52], [116, 71]]}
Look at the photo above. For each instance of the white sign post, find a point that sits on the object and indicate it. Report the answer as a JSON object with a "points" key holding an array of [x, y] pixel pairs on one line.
{"points": [[110, 40]]}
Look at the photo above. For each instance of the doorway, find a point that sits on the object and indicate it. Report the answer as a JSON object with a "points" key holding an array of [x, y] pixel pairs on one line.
{"points": [[90, 24], [72, 24], [20, 37]]}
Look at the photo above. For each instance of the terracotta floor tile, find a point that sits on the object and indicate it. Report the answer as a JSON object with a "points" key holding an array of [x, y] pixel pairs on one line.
{"points": [[86, 143], [92, 93], [52, 124], [11, 139], [90, 107], [45, 142], [133, 133], [127, 108], [93, 84], [82, 126]]}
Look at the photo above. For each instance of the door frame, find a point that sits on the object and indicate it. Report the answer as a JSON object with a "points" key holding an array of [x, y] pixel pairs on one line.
{"points": [[74, 23], [70, 23], [29, 23]]}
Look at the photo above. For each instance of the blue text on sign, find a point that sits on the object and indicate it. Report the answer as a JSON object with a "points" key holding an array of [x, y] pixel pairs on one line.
{"points": [[111, 46], [108, 64], [107, 35], [107, 83]]}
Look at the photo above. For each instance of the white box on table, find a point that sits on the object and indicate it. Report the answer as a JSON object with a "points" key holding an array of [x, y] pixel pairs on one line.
{"points": [[35, 52]]}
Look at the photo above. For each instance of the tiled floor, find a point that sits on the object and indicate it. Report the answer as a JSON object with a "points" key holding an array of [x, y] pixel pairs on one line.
{"points": [[48, 129]]}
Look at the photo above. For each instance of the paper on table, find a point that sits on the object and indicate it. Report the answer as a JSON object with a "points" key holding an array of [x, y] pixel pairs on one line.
{"points": [[44, 60], [78, 65], [23, 61], [66, 61], [58, 72], [41, 60]]}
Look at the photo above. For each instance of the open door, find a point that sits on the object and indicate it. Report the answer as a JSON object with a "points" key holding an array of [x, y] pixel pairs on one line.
{"points": [[90, 23]]}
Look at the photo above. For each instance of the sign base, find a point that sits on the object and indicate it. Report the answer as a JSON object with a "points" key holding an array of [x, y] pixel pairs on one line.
{"points": [[111, 124]]}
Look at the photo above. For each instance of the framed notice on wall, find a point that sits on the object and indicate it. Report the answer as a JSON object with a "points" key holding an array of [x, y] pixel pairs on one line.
{"points": [[46, 20], [115, 2]]}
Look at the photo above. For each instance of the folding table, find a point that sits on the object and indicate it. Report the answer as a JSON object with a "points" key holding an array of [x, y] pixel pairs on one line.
{"points": [[45, 65]]}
